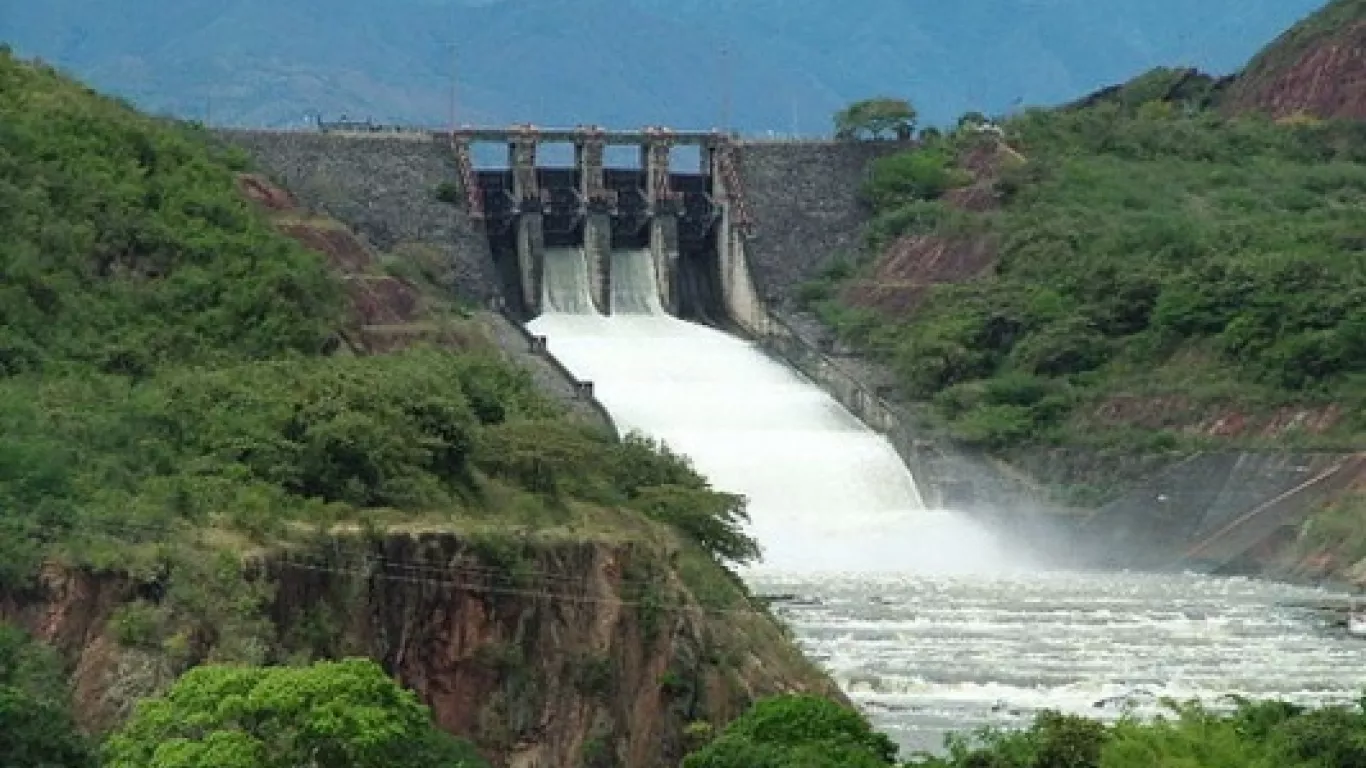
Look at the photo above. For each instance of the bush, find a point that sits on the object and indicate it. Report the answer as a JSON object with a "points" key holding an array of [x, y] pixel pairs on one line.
{"points": [[36, 726], [805, 731], [347, 714], [918, 174], [448, 192], [1267, 734]]}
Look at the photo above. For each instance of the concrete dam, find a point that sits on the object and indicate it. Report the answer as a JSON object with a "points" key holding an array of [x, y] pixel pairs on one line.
{"points": [[631, 276]]}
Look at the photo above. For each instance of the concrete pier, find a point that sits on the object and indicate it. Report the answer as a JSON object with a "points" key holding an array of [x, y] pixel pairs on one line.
{"points": [[526, 190], [599, 203]]}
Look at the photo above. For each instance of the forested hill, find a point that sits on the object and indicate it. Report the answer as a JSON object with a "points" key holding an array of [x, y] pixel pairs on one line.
{"points": [[169, 373], [1140, 272]]}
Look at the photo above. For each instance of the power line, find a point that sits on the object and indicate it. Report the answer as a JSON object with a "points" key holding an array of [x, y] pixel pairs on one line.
{"points": [[460, 586], [448, 575]]}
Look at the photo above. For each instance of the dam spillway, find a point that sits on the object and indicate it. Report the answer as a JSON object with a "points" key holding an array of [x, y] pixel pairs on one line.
{"points": [[826, 494]]}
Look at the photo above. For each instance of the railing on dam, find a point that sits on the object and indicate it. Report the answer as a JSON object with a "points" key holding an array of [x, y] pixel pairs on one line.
{"points": [[539, 346]]}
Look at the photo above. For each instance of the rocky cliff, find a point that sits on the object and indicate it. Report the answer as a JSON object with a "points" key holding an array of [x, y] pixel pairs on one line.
{"points": [[547, 653], [1316, 69]]}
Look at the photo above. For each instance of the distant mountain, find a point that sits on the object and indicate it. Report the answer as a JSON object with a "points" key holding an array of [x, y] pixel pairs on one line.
{"points": [[780, 65]]}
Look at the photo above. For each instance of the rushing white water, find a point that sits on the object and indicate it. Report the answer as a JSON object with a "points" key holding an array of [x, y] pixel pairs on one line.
{"points": [[925, 618], [825, 492], [926, 655]]}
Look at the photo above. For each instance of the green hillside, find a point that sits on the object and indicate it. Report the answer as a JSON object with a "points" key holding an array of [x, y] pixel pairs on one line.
{"points": [[165, 375], [1164, 277]]}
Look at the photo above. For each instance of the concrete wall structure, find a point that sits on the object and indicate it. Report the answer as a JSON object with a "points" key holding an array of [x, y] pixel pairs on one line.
{"points": [[1206, 511], [805, 202], [384, 187]]}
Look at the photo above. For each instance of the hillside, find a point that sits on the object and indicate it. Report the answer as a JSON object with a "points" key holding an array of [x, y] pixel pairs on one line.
{"points": [[1122, 278], [623, 63], [1318, 67], [200, 453]]}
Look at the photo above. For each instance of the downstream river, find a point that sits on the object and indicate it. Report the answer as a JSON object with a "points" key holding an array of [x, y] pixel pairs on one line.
{"points": [[924, 655], [928, 621]]}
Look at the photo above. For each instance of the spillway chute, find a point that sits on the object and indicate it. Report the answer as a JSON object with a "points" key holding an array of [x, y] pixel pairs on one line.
{"points": [[825, 492]]}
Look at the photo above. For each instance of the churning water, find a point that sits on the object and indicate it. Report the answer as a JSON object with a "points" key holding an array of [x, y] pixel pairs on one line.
{"points": [[825, 493], [926, 619], [926, 655]]}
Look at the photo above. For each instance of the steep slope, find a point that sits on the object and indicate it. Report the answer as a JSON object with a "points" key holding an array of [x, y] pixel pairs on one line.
{"points": [[1317, 68], [1119, 280]]}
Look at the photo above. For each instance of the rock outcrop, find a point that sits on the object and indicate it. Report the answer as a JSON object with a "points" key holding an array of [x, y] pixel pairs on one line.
{"points": [[1316, 69], [546, 653]]}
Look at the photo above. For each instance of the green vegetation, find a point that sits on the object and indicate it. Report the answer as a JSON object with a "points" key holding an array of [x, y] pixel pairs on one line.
{"points": [[346, 714], [128, 247], [164, 371], [1256, 735], [1159, 254], [872, 118], [807, 732], [796, 732], [1338, 528], [36, 727]]}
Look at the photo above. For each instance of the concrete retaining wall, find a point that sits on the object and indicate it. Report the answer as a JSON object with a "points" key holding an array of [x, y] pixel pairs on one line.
{"points": [[804, 198], [384, 189], [1207, 510]]}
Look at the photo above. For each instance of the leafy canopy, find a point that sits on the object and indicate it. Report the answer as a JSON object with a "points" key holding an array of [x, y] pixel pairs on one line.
{"points": [[797, 732], [345, 714], [127, 245], [36, 726], [875, 117]]}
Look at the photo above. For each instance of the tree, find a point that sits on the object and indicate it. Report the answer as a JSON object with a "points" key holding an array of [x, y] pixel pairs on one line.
{"points": [[874, 117], [36, 727], [798, 731], [345, 714]]}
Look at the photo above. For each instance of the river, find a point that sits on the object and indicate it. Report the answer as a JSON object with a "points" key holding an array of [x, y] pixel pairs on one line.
{"points": [[928, 620]]}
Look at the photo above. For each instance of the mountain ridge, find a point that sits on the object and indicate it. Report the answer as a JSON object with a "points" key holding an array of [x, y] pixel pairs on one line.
{"points": [[786, 67]]}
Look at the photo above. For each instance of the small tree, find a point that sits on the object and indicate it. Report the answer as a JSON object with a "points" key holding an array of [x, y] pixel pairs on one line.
{"points": [[876, 117], [346, 714], [36, 727], [797, 731]]}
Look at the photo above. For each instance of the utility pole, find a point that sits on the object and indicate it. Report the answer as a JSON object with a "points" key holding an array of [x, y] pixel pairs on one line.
{"points": [[725, 89], [453, 63]]}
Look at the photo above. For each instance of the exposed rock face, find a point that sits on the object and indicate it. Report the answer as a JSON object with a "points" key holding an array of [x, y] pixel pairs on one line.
{"points": [[909, 267], [547, 654], [1317, 68]]}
